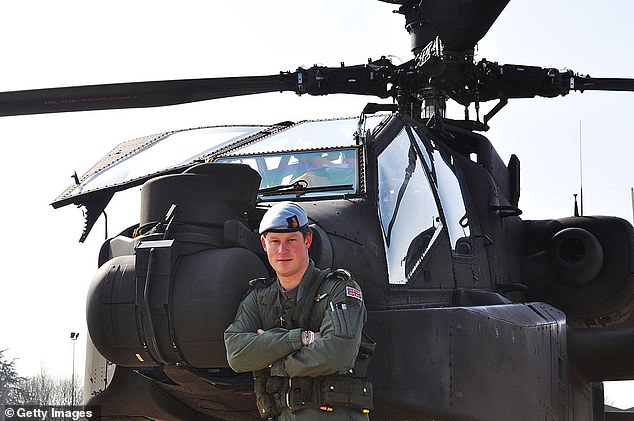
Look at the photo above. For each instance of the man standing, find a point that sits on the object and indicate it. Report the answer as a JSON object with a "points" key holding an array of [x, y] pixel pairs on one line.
{"points": [[301, 333]]}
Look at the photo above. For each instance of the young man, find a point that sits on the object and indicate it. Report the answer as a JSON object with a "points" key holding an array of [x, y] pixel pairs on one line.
{"points": [[300, 333]]}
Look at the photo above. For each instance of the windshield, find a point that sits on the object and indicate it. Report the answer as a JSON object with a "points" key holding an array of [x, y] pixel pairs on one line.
{"points": [[320, 158], [336, 168], [311, 134]]}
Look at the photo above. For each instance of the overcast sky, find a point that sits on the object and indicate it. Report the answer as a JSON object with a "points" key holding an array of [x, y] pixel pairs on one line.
{"points": [[46, 44]]}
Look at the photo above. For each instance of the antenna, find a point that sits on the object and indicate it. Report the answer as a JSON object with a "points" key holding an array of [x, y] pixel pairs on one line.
{"points": [[580, 170]]}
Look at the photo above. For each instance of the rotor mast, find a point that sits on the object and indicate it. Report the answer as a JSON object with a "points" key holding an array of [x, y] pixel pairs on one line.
{"points": [[424, 42]]}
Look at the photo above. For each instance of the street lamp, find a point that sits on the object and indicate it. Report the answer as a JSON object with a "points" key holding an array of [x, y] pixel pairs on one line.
{"points": [[73, 337]]}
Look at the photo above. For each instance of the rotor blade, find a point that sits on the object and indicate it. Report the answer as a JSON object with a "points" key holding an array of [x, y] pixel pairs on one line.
{"points": [[583, 83], [137, 94], [365, 79]]}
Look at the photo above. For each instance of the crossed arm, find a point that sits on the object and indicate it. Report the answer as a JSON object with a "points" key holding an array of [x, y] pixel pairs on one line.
{"points": [[249, 348]]}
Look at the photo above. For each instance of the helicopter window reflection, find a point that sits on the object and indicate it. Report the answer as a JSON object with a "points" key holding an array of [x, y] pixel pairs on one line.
{"points": [[407, 208], [450, 198], [174, 150], [326, 168], [312, 135]]}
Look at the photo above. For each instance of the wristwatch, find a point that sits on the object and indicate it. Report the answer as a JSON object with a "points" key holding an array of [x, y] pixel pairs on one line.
{"points": [[308, 337]]}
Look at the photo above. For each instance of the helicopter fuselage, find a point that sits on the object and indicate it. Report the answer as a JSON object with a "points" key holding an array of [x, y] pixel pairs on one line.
{"points": [[467, 302]]}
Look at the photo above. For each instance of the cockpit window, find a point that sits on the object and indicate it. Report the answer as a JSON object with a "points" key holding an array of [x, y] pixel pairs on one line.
{"points": [[321, 155], [312, 135], [334, 168], [171, 151], [446, 181], [407, 208]]}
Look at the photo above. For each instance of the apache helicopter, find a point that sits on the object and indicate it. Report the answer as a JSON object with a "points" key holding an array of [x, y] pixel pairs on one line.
{"points": [[517, 314]]}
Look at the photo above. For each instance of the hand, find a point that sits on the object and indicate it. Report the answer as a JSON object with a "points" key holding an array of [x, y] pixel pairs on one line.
{"points": [[309, 337], [260, 331]]}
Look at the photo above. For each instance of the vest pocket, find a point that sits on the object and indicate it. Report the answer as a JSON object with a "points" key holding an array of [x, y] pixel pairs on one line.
{"points": [[303, 393], [338, 391]]}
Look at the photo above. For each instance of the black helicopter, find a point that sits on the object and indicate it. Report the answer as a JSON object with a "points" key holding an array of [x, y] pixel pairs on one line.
{"points": [[463, 276]]}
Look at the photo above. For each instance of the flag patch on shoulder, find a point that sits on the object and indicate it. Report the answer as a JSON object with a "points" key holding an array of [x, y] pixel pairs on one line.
{"points": [[354, 293]]}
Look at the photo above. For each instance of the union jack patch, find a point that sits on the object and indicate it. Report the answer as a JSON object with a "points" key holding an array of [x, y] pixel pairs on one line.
{"points": [[354, 293]]}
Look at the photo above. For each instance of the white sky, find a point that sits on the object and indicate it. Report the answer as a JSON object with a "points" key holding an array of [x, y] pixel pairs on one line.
{"points": [[46, 272]]}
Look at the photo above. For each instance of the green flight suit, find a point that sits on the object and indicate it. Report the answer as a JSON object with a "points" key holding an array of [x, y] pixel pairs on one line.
{"points": [[338, 314]]}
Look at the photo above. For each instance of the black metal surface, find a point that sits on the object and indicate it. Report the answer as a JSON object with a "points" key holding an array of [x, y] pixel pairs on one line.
{"points": [[603, 354], [461, 24], [458, 358]]}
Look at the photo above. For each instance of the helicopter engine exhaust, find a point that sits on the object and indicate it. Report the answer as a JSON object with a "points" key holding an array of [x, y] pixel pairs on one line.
{"points": [[584, 266], [170, 302], [576, 255], [573, 255]]}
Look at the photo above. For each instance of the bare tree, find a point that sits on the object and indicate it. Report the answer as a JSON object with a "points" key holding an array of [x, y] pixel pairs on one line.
{"points": [[10, 390], [44, 389]]}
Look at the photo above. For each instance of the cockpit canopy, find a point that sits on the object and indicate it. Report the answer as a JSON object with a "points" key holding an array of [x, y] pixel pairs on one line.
{"points": [[322, 155]]}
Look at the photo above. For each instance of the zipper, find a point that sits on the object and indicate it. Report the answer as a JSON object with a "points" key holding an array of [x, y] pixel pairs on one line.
{"points": [[288, 394]]}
